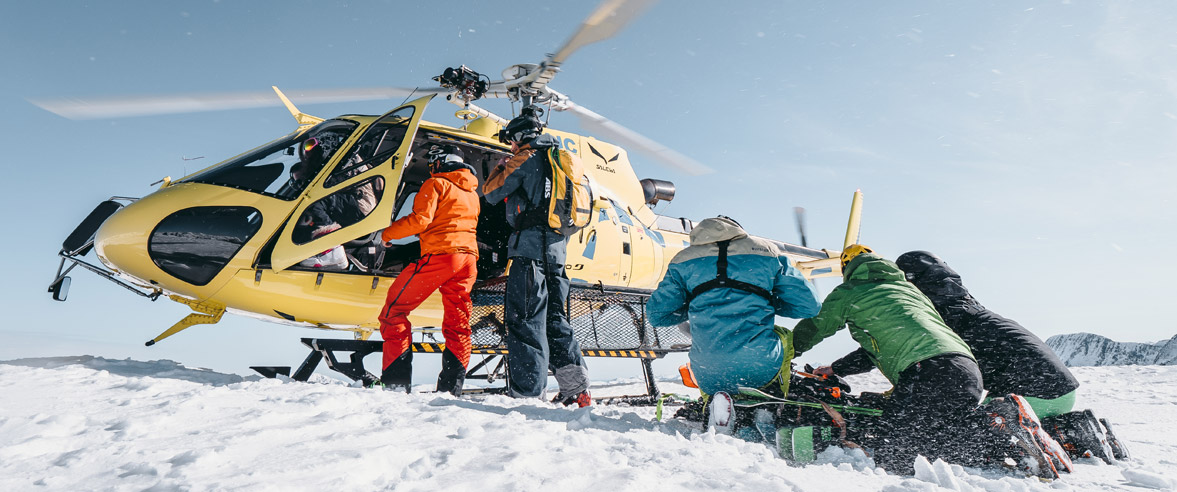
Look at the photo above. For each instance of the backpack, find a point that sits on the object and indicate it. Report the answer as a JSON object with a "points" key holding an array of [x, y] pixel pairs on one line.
{"points": [[570, 201]]}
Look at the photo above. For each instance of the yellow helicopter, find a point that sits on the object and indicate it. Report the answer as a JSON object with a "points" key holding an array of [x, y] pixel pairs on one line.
{"points": [[233, 237]]}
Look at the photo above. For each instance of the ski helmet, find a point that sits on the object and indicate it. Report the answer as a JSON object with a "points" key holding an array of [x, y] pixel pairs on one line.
{"points": [[853, 251], [524, 127], [439, 155], [317, 149]]}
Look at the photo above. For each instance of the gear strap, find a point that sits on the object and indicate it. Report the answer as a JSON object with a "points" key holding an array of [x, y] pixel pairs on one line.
{"points": [[721, 280]]}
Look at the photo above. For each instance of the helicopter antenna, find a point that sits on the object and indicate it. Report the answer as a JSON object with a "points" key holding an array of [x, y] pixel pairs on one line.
{"points": [[409, 96]]}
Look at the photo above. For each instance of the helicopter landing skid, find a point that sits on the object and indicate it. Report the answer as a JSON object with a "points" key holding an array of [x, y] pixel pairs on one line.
{"points": [[353, 365], [325, 348]]}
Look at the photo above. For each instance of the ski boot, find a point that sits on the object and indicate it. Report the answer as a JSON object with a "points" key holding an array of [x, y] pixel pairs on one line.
{"points": [[1059, 457], [1080, 434], [452, 375], [1020, 438], [398, 376], [582, 399], [721, 413], [1119, 451]]}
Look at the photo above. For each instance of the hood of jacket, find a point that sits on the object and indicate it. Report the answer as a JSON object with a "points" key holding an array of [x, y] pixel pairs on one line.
{"points": [[932, 276], [714, 230], [871, 267], [460, 174]]}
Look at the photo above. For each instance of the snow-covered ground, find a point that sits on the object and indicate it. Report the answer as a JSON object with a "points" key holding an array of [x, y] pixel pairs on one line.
{"points": [[87, 423]]}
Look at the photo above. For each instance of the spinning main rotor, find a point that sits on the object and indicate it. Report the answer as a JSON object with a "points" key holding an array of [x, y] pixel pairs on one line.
{"points": [[523, 83]]}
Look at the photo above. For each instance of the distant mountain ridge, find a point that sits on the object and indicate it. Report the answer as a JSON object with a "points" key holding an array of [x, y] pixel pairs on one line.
{"points": [[1087, 349]]}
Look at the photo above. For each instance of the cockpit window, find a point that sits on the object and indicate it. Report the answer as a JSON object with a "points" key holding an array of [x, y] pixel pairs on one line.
{"points": [[195, 244], [338, 210], [281, 168], [380, 141]]}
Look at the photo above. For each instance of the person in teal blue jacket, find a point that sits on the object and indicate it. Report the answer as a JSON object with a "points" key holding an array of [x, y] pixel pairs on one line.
{"points": [[730, 287]]}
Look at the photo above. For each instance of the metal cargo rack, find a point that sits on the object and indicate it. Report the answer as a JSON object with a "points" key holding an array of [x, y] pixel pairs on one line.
{"points": [[608, 322]]}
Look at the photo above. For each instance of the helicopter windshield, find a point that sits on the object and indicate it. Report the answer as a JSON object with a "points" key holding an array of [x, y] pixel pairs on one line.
{"points": [[281, 168], [377, 145]]}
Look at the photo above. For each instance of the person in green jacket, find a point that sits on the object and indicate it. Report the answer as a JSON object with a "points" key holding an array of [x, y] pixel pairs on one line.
{"points": [[936, 380]]}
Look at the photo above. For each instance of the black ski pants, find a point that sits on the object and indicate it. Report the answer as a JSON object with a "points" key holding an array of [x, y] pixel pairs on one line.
{"points": [[927, 413], [538, 333]]}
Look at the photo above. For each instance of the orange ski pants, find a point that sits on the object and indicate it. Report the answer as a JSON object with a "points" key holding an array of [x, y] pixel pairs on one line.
{"points": [[453, 274]]}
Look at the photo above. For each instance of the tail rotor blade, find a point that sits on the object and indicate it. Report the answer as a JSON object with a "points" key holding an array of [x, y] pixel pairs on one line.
{"points": [[799, 214]]}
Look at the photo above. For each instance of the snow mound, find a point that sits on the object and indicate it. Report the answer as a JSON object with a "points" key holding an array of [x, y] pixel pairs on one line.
{"points": [[1141, 478]]}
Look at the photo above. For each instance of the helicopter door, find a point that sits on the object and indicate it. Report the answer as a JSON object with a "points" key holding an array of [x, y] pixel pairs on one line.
{"points": [[357, 197], [637, 261], [648, 246], [594, 253], [624, 228]]}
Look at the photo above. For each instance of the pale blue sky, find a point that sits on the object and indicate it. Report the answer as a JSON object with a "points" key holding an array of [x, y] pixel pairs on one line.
{"points": [[1030, 144]]}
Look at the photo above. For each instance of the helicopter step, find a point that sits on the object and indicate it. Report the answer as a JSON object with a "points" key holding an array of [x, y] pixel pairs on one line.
{"points": [[607, 322]]}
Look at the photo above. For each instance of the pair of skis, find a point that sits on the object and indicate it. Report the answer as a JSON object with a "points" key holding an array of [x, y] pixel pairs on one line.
{"points": [[794, 443], [752, 397]]}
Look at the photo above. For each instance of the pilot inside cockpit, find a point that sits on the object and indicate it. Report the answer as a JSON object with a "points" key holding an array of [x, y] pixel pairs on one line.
{"points": [[339, 209], [316, 221]]}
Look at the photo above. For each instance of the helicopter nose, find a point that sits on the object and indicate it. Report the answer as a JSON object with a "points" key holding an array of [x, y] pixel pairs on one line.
{"points": [[121, 242]]}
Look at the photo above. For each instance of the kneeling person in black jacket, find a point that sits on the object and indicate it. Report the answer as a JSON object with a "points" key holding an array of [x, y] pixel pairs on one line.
{"points": [[1011, 358]]}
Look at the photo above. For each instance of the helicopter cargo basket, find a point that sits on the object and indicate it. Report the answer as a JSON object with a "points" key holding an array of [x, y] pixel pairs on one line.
{"points": [[607, 322]]}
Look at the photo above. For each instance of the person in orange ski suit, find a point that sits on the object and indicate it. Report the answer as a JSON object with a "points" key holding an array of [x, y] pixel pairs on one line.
{"points": [[445, 218]]}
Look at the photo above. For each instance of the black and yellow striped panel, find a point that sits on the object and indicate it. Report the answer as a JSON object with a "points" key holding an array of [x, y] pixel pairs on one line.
{"points": [[629, 354], [439, 347], [429, 347], [492, 350]]}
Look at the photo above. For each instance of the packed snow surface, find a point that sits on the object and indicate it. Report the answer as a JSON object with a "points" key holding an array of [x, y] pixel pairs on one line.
{"points": [[87, 423]]}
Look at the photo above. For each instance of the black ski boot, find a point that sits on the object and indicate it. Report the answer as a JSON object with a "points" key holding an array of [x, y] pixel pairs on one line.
{"points": [[398, 376], [1119, 451], [452, 376], [1018, 440], [1081, 434]]}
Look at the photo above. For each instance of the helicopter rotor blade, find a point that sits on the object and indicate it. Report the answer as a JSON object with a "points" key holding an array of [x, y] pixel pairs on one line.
{"points": [[86, 109], [632, 140], [609, 18]]}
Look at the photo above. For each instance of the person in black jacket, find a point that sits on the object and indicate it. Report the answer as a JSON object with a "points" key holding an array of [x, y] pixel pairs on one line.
{"points": [[1012, 359], [539, 336]]}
